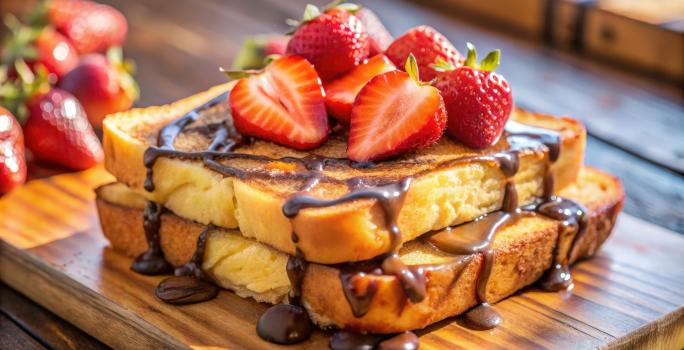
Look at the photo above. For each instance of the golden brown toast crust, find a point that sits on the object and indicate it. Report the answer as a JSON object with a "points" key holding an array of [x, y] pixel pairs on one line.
{"points": [[523, 253], [350, 231]]}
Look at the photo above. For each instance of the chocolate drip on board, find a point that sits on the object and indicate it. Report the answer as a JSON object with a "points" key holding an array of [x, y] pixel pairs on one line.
{"points": [[152, 262], [190, 284], [291, 320], [345, 340]]}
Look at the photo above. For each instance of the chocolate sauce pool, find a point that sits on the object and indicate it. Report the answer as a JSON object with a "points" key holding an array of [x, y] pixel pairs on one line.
{"points": [[290, 323]]}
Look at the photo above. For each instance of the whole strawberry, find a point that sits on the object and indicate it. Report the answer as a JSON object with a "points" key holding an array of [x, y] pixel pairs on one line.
{"points": [[37, 47], [478, 101], [378, 36], [427, 45], [57, 131], [102, 85], [90, 26], [12, 161], [55, 52], [334, 41]]}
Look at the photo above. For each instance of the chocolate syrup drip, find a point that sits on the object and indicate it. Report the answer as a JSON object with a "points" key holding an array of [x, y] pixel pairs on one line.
{"points": [[296, 269], [573, 220], [152, 261], [181, 290], [190, 283], [390, 196], [358, 290], [284, 324], [194, 266], [346, 340], [521, 136], [168, 135]]}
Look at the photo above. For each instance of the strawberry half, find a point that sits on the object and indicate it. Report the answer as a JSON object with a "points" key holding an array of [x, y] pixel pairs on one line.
{"points": [[341, 93], [427, 45], [284, 104], [478, 101], [393, 114]]}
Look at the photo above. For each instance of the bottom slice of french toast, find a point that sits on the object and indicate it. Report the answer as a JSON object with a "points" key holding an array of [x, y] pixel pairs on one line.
{"points": [[523, 251]]}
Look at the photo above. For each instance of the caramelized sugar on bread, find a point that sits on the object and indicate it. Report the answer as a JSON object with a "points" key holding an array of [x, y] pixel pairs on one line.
{"points": [[523, 251], [440, 195]]}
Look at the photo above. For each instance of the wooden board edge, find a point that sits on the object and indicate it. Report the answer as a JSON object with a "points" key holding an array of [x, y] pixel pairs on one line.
{"points": [[92, 312], [667, 332]]}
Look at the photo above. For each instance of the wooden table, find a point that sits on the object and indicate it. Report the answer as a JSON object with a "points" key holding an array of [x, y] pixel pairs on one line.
{"points": [[636, 125]]}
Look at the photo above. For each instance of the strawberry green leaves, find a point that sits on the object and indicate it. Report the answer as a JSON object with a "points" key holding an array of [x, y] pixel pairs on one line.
{"points": [[489, 63]]}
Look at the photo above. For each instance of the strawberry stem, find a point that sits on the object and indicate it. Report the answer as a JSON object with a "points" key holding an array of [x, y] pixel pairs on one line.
{"points": [[441, 65], [411, 67], [239, 74], [492, 60], [489, 63], [471, 58]]}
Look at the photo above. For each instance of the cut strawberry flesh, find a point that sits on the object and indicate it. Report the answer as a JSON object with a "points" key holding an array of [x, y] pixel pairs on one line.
{"points": [[392, 115], [341, 93], [285, 104]]}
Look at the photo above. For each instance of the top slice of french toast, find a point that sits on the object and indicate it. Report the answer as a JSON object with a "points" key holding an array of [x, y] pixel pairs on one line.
{"points": [[247, 188]]}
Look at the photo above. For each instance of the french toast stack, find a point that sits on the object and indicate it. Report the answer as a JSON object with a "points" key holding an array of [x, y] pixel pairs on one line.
{"points": [[425, 201]]}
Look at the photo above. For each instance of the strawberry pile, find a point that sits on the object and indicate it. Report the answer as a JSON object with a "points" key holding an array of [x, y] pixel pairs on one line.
{"points": [[61, 73], [394, 95]]}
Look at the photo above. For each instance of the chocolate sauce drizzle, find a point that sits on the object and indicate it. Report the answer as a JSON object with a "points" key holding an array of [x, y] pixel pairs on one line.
{"points": [[345, 340], [190, 284], [152, 261], [289, 323]]}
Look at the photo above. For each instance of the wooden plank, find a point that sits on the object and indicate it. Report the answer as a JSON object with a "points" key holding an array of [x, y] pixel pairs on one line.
{"points": [[631, 295], [13, 337], [44, 325], [653, 194]]}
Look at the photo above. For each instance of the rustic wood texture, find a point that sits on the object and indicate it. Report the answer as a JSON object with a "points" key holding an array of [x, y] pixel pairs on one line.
{"points": [[631, 295], [42, 325]]}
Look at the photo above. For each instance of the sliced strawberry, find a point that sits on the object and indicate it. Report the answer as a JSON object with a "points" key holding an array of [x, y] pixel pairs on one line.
{"points": [[393, 114], [340, 93], [284, 104]]}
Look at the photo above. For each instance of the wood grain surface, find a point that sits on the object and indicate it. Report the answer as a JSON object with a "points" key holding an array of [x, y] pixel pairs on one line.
{"points": [[631, 295]]}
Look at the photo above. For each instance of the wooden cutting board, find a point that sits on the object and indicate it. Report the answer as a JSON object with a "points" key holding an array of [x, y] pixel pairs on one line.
{"points": [[631, 295]]}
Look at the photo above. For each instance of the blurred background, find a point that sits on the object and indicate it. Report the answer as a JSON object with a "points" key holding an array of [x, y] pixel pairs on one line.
{"points": [[617, 65]]}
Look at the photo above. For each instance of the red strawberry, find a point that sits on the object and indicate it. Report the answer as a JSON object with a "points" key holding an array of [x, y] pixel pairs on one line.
{"points": [[340, 93], [37, 46], [12, 161], [55, 52], [334, 42], [393, 114], [91, 27], [276, 45], [57, 131], [478, 101], [284, 104], [102, 86], [427, 44], [378, 36]]}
